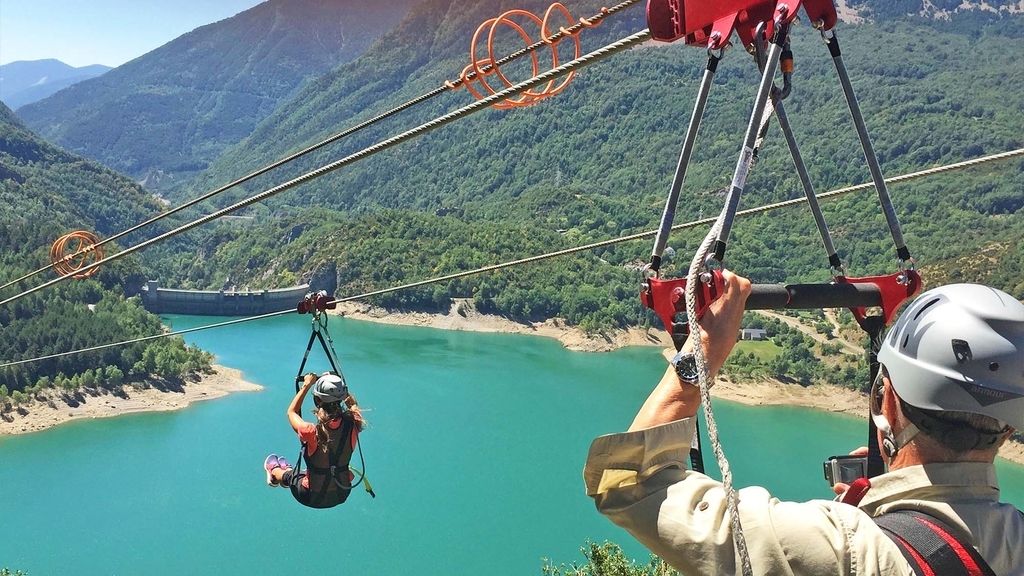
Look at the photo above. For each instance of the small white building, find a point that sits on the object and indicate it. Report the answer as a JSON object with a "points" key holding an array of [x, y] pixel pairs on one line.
{"points": [[753, 334]]}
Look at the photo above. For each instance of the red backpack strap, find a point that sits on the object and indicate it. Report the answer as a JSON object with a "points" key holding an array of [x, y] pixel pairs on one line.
{"points": [[930, 546]]}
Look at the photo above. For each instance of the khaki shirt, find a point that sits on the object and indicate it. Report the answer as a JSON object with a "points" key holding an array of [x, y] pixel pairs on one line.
{"points": [[641, 482]]}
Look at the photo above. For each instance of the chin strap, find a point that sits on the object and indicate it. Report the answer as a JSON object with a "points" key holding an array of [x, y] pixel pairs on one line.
{"points": [[891, 443]]}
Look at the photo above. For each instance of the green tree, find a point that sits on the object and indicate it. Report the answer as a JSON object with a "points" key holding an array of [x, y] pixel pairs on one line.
{"points": [[607, 559]]}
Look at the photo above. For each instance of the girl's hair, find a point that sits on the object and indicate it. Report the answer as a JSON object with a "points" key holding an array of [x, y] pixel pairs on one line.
{"points": [[326, 412]]}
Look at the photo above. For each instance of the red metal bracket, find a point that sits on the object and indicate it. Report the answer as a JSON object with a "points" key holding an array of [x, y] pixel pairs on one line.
{"points": [[894, 288], [668, 297], [710, 23], [316, 302]]}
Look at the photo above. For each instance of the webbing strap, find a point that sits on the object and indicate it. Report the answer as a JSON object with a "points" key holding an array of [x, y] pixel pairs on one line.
{"points": [[332, 464], [317, 334], [874, 326], [930, 546]]}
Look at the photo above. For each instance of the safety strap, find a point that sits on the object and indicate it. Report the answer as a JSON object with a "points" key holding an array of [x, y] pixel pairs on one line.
{"points": [[874, 326], [317, 333], [332, 470], [930, 546]]}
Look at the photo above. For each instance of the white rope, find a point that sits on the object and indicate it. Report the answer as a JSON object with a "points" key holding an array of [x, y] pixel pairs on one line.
{"points": [[693, 281]]}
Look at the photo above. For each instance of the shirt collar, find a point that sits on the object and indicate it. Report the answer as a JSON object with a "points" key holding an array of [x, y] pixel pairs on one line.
{"points": [[933, 482]]}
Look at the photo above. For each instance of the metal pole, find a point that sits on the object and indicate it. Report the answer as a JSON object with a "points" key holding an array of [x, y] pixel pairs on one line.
{"points": [[778, 96], [739, 178], [834, 262], [869, 152], [668, 216]]}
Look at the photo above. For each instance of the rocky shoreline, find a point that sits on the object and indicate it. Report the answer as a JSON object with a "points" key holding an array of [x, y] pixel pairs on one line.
{"points": [[58, 408]]}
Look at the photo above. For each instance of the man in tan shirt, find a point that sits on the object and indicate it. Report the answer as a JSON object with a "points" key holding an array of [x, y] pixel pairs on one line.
{"points": [[940, 430]]}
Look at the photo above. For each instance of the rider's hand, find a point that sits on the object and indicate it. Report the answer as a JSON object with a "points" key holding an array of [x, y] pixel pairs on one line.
{"points": [[720, 324]]}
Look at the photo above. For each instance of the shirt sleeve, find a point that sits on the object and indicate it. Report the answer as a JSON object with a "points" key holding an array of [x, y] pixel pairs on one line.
{"points": [[307, 435], [640, 481]]}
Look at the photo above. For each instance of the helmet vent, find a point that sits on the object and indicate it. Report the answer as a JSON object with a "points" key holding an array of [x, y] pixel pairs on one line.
{"points": [[906, 340], [925, 307], [962, 351]]}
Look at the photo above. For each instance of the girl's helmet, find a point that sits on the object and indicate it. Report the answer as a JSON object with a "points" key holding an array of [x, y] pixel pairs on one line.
{"points": [[960, 348], [330, 388]]}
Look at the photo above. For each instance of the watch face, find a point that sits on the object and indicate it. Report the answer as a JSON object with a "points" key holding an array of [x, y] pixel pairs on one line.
{"points": [[686, 368]]}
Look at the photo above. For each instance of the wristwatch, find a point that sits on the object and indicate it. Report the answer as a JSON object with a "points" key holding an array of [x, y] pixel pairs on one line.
{"points": [[686, 368]]}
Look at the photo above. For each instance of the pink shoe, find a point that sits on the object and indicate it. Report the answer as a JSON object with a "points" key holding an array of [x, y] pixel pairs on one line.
{"points": [[269, 465]]}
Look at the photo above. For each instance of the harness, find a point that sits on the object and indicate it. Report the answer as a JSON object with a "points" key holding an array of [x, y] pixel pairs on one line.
{"points": [[335, 464], [331, 470], [930, 545]]}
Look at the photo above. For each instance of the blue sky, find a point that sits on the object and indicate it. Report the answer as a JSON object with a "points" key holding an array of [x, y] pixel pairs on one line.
{"points": [[111, 32]]}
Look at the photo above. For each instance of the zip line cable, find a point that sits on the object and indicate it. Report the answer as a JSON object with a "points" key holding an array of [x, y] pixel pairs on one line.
{"points": [[692, 224], [153, 337], [448, 85], [585, 60]]}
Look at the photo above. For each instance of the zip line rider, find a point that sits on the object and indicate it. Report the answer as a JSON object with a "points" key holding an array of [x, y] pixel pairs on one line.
{"points": [[949, 393], [328, 445]]}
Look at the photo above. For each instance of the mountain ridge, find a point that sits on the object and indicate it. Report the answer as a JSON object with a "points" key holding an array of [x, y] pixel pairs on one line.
{"points": [[26, 81], [171, 110]]}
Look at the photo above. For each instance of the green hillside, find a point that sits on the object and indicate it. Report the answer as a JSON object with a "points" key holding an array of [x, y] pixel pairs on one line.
{"points": [[44, 193], [165, 115], [595, 163]]}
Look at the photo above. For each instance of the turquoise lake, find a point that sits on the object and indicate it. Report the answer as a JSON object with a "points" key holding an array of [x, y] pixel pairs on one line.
{"points": [[475, 450]]}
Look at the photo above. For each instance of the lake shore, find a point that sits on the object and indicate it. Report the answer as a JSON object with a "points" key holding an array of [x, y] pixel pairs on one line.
{"points": [[58, 408], [463, 316]]}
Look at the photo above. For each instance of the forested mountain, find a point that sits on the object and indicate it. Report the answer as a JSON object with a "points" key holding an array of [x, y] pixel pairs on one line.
{"points": [[164, 115], [596, 162], [937, 9], [44, 193], [27, 81]]}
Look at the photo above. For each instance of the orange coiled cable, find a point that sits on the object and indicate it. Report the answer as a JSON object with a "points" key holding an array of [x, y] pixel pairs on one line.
{"points": [[483, 76], [75, 250]]}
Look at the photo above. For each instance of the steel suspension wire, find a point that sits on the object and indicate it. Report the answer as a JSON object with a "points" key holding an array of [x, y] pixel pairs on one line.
{"points": [[447, 86], [147, 338], [603, 243], [585, 60]]}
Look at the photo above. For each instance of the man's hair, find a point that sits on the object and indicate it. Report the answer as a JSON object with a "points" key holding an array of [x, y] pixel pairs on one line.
{"points": [[967, 427]]}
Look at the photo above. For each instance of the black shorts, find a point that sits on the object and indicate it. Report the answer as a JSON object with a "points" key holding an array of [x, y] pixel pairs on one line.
{"points": [[302, 494]]}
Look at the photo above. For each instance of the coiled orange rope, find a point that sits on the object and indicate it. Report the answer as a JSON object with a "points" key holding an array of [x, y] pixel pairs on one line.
{"points": [[75, 250], [483, 76]]}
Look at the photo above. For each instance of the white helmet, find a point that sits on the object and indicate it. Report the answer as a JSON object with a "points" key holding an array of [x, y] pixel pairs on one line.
{"points": [[960, 348], [330, 388]]}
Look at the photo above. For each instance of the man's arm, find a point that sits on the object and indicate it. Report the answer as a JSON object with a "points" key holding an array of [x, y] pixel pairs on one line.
{"points": [[673, 400]]}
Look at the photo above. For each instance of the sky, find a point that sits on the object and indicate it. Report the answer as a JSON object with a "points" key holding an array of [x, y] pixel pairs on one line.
{"points": [[110, 32]]}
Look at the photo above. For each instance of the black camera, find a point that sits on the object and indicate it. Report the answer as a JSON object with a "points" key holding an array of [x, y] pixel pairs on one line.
{"points": [[845, 469]]}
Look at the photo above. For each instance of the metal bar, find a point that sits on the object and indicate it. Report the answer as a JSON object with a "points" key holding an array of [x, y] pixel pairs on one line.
{"points": [[835, 264], [812, 296], [812, 199], [668, 216], [869, 152], [739, 178]]}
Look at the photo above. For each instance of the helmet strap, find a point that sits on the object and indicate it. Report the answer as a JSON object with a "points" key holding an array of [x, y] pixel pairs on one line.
{"points": [[891, 443]]}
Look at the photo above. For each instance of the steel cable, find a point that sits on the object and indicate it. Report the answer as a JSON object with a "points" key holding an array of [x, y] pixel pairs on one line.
{"points": [[585, 60], [448, 85], [748, 212]]}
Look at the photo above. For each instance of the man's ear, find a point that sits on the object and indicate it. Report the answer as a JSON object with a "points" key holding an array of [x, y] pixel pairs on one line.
{"points": [[890, 403]]}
